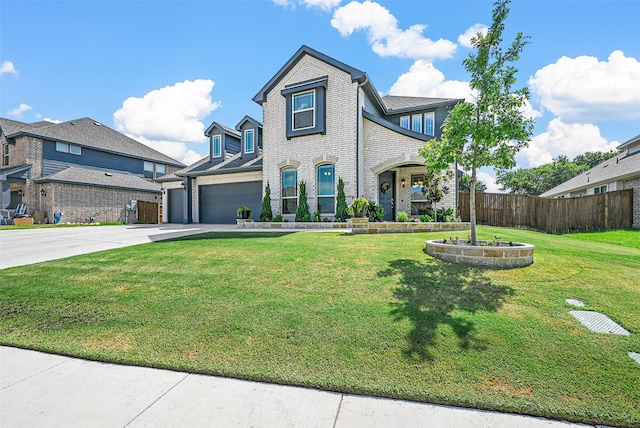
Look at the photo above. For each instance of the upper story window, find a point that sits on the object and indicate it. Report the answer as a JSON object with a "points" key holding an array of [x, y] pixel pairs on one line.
{"points": [[217, 146], [404, 122], [5, 155], [160, 170], [289, 191], [304, 107], [148, 169], [68, 148], [248, 141], [416, 122], [326, 189], [429, 123]]}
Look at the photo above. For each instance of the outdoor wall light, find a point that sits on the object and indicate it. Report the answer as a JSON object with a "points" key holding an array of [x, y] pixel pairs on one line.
{"points": [[43, 193], [20, 192], [403, 182]]}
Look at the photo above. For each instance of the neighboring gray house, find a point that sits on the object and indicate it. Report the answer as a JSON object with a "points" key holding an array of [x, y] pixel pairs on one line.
{"points": [[322, 120], [80, 168], [618, 173]]}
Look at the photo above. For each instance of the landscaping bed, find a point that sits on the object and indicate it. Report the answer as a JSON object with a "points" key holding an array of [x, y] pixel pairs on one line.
{"points": [[364, 314]]}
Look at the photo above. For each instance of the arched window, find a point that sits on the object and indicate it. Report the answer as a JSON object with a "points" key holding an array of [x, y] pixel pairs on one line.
{"points": [[289, 191], [326, 189]]}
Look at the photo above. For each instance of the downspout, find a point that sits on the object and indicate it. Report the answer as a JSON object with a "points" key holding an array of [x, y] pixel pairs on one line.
{"points": [[358, 110]]}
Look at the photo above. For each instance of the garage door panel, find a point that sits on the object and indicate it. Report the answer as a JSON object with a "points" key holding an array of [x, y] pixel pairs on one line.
{"points": [[176, 206], [219, 202]]}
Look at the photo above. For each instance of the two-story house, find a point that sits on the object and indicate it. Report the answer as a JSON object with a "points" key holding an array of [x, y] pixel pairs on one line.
{"points": [[80, 168], [324, 120]]}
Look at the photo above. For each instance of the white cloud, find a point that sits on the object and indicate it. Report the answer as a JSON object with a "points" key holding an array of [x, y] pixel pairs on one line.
{"points": [[8, 67], [465, 38], [424, 80], [174, 149], [17, 112], [585, 89], [172, 113], [385, 37], [563, 139], [490, 181], [325, 5]]}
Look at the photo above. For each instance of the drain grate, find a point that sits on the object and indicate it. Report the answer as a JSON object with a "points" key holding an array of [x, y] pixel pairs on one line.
{"points": [[574, 302], [635, 356], [600, 323]]}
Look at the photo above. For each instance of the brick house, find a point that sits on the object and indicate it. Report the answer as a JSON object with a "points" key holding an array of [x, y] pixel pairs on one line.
{"points": [[323, 120], [80, 168], [617, 173]]}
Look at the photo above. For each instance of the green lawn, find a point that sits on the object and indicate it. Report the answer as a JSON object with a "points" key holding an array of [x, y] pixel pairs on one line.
{"points": [[369, 314]]}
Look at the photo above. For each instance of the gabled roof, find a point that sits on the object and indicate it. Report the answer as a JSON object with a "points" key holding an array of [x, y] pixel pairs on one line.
{"points": [[631, 142], [100, 178], [395, 104], [223, 128], [617, 168], [87, 132], [356, 75], [14, 172], [231, 165], [249, 119]]}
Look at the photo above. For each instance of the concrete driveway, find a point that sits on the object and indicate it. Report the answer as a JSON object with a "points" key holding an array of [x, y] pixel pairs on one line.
{"points": [[26, 246]]}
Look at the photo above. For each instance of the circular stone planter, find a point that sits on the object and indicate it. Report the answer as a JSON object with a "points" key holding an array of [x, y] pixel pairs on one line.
{"points": [[507, 255]]}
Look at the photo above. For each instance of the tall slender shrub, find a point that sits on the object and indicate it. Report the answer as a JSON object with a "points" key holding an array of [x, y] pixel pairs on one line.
{"points": [[265, 212], [302, 212], [341, 206]]}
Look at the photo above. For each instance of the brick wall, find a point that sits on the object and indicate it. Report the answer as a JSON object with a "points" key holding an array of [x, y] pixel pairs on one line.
{"points": [[635, 185]]}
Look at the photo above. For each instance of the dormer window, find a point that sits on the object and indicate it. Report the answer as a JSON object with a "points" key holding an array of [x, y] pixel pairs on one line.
{"points": [[217, 146], [304, 110], [429, 123], [416, 122], [248, 141]]}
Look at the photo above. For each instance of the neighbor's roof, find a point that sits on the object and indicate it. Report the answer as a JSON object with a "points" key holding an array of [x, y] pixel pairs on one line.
{"points": [[630, 142], [88, 133], [100, 178], [618, 167]]}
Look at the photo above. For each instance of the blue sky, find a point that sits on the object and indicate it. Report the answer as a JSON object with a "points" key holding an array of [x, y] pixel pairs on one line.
{"points": [[162, 71]]}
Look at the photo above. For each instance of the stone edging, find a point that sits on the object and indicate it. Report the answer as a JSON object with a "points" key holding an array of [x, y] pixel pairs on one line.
{"points": [[358, 226], [502, 257]]}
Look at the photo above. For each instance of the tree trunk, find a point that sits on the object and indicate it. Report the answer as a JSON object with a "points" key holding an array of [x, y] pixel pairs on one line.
{"points": [[472, 206]]}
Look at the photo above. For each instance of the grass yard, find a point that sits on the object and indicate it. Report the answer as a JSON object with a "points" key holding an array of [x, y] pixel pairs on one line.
{"points": [[369, 314]]}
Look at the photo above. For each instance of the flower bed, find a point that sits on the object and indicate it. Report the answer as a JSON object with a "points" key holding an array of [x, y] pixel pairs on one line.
{"points": [[358, 225], [503, 255]]}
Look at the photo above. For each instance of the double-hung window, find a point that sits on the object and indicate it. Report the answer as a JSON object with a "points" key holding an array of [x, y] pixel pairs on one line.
{"points": [[304, 110], [216, 150], [416, 122], [326, 189], [248, 141], [160, 170], [289, 191], [404, 122], [429, 123], [68, 148], [148, 170], [5, 155]]}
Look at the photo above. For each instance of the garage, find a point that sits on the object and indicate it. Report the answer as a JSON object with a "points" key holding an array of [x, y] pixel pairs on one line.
{"points": [[219, 202], [176, 205]]}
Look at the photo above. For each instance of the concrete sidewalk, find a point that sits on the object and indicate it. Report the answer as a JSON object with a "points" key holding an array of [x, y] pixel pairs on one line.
{"points": [[45, 390]]}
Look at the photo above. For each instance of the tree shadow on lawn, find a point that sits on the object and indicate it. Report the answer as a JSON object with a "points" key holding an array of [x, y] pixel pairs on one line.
{"points": [[437, 293]]}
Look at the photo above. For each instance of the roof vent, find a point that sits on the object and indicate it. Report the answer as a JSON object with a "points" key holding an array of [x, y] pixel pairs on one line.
{"points": [[96, 123], [108, 174]]}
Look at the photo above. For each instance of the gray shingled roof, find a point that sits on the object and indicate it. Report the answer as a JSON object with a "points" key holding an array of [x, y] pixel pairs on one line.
{"points": [[89, 133], [231, 165], [395, 103], [618, 167], [100, 178]]}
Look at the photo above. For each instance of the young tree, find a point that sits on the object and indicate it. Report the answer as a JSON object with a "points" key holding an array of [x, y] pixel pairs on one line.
{"points": [[302, 212], [265, 212], [341, 204], [491, 129], [434, 188]]}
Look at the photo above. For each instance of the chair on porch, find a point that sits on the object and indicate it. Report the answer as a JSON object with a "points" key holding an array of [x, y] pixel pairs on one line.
{"points": [[5, 218], [21, 211]]}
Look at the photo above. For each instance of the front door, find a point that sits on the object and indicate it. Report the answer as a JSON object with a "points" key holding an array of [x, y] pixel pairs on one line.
{"points": [[386, 194]]}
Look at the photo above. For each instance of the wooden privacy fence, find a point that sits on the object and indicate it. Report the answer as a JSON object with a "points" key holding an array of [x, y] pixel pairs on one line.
{"points": [[605, 211], [147, 212]]}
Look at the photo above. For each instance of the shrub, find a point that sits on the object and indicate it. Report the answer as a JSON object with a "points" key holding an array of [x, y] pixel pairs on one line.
{"points": [[265, 211], [316, 216], [341, 206], [426, 218], [358, 207], [277, 218], [376, 212], [302, 212], [402, 216]]}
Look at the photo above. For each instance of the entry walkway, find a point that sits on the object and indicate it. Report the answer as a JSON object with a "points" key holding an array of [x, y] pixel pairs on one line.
{"points": [[44, 390]]}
